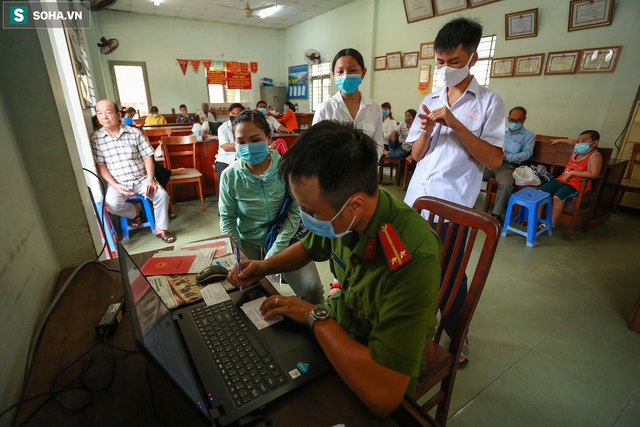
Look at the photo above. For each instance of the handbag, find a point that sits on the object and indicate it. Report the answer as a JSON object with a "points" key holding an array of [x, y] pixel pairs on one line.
{"points": [[276, 225], [524, 175]]}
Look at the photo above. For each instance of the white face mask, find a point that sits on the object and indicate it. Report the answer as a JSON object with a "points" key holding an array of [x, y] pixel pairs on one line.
{"points": [[453, 76], [154, 114]]}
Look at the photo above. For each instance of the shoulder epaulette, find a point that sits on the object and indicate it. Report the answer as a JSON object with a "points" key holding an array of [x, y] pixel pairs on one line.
{"points": [[397, 255]]}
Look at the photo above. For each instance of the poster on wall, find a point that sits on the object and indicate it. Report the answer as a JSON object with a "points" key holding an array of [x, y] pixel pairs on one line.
{"points": [[238, 75], [298, 82], [215, 77]]}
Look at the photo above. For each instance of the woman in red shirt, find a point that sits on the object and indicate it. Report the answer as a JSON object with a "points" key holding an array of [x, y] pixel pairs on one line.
{"points": [[289, 118]]}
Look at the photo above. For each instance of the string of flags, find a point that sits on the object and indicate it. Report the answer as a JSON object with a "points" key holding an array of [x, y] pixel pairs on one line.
{"points": [[236, 75]]}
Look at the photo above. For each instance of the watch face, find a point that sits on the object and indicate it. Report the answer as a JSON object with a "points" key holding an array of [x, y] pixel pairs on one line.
{"points": [[321, 312]]}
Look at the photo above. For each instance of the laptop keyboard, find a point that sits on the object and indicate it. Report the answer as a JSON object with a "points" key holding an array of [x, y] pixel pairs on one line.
{"points": [[247, 369]]}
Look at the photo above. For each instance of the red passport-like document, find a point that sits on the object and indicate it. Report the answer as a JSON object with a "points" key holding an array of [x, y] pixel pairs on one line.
{"points": [[162, 266]]}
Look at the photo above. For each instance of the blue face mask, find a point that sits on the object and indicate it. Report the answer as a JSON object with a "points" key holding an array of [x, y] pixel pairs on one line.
{"points": [[349, 83], [515, 126], [252, 153], [385, 113], [286, 109], [582, 147], [324, 228], [263, 111]]}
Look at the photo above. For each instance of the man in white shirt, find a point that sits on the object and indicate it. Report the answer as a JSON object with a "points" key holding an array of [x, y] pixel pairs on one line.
{"points": [[206, 115], [227, 141], [460, 131]]}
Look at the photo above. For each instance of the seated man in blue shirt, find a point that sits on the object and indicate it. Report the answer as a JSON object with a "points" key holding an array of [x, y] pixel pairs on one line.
{"points": [[518, 147]]}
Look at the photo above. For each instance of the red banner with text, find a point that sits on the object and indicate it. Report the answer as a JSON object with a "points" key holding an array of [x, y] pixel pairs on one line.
{"points": [[238, 75], [216, 78]]}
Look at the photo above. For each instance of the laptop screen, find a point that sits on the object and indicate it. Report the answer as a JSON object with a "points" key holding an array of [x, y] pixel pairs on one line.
{"points": [[155, 329]]}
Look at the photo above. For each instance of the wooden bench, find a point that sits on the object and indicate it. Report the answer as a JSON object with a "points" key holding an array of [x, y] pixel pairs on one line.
{"points": [[577, 210]]}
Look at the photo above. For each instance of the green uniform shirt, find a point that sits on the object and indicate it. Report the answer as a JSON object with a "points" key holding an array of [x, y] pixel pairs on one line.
{"points": [[391, 312]]}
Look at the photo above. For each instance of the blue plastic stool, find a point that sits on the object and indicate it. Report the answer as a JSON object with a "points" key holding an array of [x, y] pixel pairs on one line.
{"points": [[530, 202], [124, 223]]}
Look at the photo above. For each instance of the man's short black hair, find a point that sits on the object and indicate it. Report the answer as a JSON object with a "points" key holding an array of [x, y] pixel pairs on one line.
{"points": [[595, 135], [463, 32], [342, 158], [182, 106], [521, 109], [154, 109], [236, 105], [261, 102]]}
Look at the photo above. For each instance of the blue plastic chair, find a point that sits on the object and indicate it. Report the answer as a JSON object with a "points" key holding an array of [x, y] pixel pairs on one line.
{"points": [[124, 223], [530, 202]]}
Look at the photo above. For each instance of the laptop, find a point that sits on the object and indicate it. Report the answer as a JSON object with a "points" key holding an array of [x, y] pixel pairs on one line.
{"points": [[220, 362]]}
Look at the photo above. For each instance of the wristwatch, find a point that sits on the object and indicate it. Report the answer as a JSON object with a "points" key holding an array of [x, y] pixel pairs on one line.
{"points": [[318, 313]]}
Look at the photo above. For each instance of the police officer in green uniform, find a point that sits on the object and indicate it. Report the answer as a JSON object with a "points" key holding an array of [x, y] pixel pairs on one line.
{"points": [[386, 257]]}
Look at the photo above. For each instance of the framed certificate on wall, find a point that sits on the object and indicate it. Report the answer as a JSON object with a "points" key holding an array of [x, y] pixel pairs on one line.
{"points": [[562, 62], [599, 60], [528, 65], [521, 24], [417, 10], [590, 13], [502, 67]]}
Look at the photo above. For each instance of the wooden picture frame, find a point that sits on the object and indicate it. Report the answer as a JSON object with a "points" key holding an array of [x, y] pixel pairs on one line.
{"points": [[394, 60], [562, 62], [424, 79], [590, 13], [427, 51], [478, 3], [417, 10], [443, 7], [502, 67], [599, 59], [410, 60], [380, 63], [528, 65], [521, 24]]}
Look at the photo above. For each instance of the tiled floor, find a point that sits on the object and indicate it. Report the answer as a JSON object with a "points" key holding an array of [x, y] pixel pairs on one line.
{"points": [[549, 342]]}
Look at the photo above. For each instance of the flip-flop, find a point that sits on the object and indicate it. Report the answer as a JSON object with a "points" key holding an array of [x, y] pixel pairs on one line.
{"points": [[166, 237], [542, 227], [465, 355], [136, 221], [172, 216]]}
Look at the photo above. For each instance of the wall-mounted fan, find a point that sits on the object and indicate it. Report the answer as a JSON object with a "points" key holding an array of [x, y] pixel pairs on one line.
{"points": [[248, 10], [108, 46], [312, 56], [97, 5]]}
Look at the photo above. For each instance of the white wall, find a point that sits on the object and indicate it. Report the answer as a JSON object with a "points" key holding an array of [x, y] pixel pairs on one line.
{"points": [[556, 104], [349, 26], [159, 41]]}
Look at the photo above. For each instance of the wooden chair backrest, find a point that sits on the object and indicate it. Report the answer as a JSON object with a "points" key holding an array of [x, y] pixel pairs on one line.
{"points": [[471, 221], [633, 160], [179, 146], [547, 138], [155, 135]]}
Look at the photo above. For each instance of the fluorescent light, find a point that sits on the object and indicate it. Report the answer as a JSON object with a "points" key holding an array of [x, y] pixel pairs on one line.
{"points": [[156, 2], [268, 12]]}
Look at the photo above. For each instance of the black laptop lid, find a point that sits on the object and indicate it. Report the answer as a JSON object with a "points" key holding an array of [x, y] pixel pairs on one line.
{"points": [[155, 332]]}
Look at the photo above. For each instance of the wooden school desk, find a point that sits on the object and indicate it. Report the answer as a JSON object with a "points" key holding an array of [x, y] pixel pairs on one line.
{"points": [[137, 388]]}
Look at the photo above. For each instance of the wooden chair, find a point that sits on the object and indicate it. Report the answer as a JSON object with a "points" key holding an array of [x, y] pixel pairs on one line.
{"points": [[441, 364], [629, 183], [408, 172], [392, 164], [182, 147], [155, 135]]}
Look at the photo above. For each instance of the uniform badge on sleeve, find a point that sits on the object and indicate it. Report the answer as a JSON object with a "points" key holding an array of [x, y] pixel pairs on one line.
{"points": [[397, 255]]}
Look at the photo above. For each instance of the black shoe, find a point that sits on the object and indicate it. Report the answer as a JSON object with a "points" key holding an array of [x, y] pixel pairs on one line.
{"points": [[498, 217]]}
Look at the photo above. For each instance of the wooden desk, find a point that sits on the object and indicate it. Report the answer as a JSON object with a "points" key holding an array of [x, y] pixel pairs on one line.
{"points": [[289, 138], [69, 332]]}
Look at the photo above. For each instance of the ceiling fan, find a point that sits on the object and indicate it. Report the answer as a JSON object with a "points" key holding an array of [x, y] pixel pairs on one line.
{"points": [[248, 10]]}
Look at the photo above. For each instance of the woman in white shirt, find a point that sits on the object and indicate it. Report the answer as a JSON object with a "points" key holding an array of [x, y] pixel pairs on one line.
{"points": [[349, 104], [388, 122]]}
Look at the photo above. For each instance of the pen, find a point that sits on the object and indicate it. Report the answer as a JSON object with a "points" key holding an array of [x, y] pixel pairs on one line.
{"points": [[238, 262]]}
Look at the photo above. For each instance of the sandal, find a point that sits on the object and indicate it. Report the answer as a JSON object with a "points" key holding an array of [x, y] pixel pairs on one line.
{"points": [[542, 227], [135, 222], [172, 215], [166, 237], [465, 355]]}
